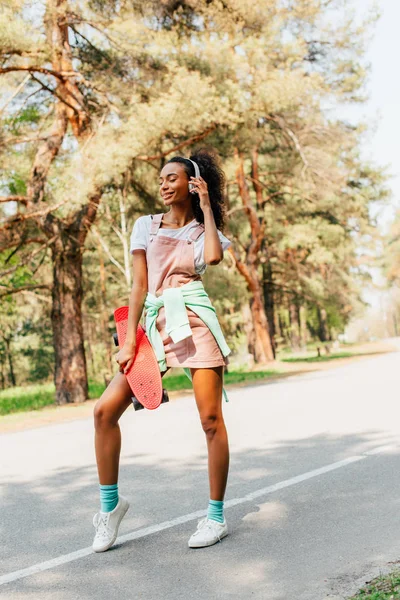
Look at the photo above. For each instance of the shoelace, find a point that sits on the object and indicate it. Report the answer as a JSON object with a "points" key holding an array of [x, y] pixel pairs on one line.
{"points": [[100, 524], [207, 524]]}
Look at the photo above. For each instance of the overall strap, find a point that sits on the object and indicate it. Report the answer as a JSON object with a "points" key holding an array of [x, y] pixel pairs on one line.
{"points": [[194, 236], [155, 223]]}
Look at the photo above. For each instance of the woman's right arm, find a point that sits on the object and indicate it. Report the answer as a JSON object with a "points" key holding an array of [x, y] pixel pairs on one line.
{"points": [[126, 355]]}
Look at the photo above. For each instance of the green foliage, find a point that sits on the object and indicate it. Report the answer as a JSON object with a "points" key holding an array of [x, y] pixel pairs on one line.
{"points": [[391, 256], [37, 347], [324, 358], [30, 115], [251, 75], [35, 397], [19, 399], [385, 587], [217, 280], [16, 184]]}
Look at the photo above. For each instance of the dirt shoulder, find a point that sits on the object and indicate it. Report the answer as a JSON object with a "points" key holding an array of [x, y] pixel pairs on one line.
{"points": [[59, 414]]}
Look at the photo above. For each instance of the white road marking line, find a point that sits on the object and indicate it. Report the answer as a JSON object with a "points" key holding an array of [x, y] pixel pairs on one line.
{"points": [[134, 535], [294, 480]]}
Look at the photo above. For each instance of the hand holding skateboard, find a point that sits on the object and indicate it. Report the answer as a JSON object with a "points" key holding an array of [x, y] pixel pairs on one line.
{"points": [[126, 356], [143, 376]]}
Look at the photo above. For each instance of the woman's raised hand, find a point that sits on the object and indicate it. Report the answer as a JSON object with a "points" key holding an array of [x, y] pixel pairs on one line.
{"points": [[201, 188]]}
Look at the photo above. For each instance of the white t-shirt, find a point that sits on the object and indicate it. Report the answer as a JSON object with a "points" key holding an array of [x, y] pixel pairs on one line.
{"points": [[141, 234]]}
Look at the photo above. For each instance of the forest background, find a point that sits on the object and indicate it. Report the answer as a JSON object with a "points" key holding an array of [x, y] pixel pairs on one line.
{"points": [[97, 95]]}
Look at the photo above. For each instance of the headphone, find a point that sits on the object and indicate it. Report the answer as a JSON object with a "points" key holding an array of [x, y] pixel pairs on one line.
{"points": [[196, 173]]}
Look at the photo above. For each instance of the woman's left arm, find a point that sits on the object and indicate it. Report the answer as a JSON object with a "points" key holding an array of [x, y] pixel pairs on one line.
{"points": [[213, 252]]}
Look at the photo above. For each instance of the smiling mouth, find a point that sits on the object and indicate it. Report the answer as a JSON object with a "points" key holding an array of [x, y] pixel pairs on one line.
{"points": [[166, 196]]}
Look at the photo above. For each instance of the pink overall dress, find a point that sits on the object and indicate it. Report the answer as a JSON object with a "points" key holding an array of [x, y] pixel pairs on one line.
{"points": [[170, 263]]}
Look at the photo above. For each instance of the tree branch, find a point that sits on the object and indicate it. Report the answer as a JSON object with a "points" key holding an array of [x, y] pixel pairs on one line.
{"points": [[58, 74], [19, 217], [44, 298], [107, 251], [46, 153], [187, 142], [15, 93], [113, 226], [53, 92], [28, 259], [245, 195], [24, 140], [85, 218], [241, 267], [254, 176], [282, 124], [23, 289], [19, 242], [260, 183], [22, 199]]}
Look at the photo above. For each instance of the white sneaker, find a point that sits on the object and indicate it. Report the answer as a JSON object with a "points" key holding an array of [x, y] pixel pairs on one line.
{"points": [[106, 525], [208, 533]]}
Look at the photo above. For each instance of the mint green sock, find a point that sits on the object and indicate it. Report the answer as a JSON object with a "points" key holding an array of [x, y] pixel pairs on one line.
{"points": [[108, 497], [215, 510]]}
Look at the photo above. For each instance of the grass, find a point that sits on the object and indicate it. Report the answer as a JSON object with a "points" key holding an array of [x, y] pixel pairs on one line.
{"points": [[385, 587], [313, 359], [181, 382], [35, 397]]}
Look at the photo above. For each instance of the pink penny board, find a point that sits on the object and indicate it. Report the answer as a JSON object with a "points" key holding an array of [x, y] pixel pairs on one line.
{"points": [[144, 376]]}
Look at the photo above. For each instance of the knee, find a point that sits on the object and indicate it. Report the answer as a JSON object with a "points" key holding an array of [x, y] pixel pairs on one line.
{"points": [[211, 423], [102, 417]]}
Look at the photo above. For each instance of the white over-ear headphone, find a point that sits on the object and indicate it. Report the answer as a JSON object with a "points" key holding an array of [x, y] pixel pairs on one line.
{"points": [[196, 173]]}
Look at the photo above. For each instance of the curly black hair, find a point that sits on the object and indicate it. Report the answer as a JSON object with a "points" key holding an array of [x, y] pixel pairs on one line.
{"points": [[212, 173]]}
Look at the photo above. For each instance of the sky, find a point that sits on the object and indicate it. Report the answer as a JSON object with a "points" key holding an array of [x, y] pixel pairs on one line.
{"points": [[383, 87], [383, 111]]}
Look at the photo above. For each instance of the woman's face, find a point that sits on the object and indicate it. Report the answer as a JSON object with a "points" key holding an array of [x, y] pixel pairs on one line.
{"points": [[174, 184]]}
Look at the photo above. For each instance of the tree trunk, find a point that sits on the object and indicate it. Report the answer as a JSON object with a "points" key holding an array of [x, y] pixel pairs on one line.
{"points": [[248, 327], [263, 352], [282, 326], [249, 267], [103, 310], [323, 326], [268, 289], [90, 341], [303, 327], [2, 377], [10, 362], [255, 177], [277, 328], [294, 326], [70, 376], [395, 324], [263, 346], [125, 239], [66, 234]]}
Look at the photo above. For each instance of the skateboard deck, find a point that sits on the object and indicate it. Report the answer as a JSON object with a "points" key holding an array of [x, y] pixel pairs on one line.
{"points": [[144, 375]]}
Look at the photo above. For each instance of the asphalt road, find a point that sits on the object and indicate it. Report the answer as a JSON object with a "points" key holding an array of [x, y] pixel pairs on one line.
{"points": [[313, 501]]}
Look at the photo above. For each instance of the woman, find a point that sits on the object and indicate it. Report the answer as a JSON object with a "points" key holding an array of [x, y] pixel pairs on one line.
{"points": [[170, 252]]}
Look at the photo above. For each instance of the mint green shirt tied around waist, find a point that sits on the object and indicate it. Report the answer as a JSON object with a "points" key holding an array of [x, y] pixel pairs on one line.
{"points": [[175, 301]]}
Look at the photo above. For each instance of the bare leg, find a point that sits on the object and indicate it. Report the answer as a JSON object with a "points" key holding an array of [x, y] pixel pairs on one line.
{"points": [[207, 384], [113, 403], [108, 410]]}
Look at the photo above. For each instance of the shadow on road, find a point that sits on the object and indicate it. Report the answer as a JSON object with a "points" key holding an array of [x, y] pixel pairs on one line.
{"points": [[276, 544]]}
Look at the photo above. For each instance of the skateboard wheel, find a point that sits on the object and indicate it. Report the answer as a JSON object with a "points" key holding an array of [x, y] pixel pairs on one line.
{"points": [[115, 338], [165, 397], [136, 404]]}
